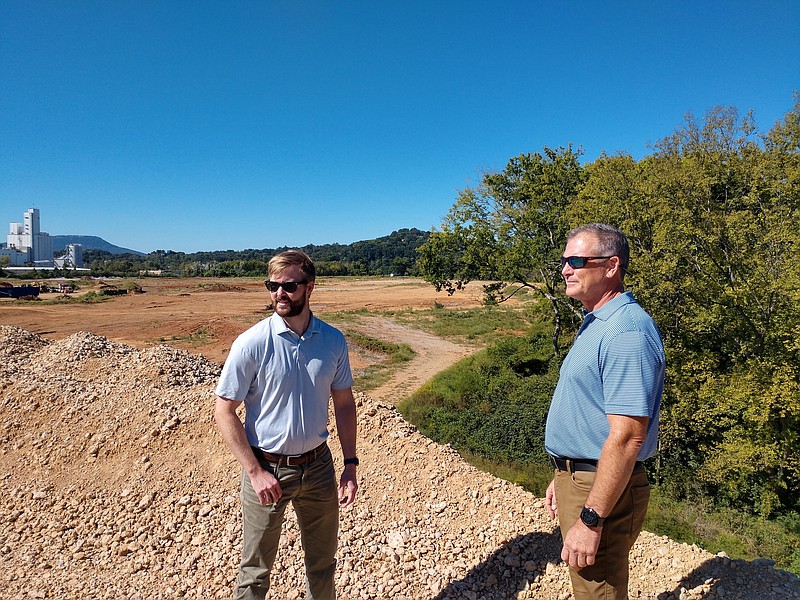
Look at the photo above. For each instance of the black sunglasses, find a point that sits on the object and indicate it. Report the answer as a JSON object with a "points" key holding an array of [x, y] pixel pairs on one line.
{"points": [[578, 262], [288, 286]]}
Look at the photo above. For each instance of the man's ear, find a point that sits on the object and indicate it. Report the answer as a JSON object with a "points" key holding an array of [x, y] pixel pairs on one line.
{"points": [[614, 267]]}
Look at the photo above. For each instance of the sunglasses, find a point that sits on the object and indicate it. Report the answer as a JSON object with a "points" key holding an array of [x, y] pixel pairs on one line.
{"points": [[288, 286], [578, 262]]}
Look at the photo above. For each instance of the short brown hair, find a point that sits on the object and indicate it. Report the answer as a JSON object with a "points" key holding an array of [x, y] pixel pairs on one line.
{"points": [[289, 258]]}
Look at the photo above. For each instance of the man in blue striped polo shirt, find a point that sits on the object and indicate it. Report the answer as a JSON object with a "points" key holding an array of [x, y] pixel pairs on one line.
{"points": [[603, 420]]}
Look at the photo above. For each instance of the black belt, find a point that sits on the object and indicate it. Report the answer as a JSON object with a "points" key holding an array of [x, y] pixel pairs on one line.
{"points": [[293, 460], [571, 465]]}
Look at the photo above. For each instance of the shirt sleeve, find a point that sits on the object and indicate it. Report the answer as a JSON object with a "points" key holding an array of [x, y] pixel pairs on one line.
{"points": [[630, 370], [237, 374], [343, 378]]}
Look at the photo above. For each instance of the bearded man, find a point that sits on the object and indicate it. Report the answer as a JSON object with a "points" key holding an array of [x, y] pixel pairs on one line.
{"points": [[286, 369]]}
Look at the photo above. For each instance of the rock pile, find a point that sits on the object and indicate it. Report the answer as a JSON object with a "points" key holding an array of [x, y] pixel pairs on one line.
{"points": [[115, 484]]}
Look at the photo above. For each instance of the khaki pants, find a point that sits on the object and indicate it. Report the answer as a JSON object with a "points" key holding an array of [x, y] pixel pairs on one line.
{"points": [[312, 490], [607, 578]]}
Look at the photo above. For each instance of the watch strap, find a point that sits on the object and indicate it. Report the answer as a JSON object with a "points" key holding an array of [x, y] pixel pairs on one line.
{"points": [[351, 461], [590, 517]]}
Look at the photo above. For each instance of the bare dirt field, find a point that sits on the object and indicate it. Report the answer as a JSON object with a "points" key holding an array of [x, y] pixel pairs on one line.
{"points": [[204, 316], [176, 309]]}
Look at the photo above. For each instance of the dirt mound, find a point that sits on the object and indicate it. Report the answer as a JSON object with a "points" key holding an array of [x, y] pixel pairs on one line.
{"points": [[116, 485]]}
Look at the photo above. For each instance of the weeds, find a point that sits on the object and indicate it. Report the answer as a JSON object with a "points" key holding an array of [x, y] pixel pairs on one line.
{"points": [[393, 356], [196, 338]]}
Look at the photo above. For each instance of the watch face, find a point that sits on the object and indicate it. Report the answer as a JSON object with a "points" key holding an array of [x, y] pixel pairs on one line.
{"points": [[589, 517]]}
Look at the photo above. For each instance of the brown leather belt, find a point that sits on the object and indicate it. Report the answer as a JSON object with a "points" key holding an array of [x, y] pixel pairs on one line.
{"points": [[293, 460]]}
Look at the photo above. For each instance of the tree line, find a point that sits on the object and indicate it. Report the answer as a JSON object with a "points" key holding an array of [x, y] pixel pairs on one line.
{"points": [[394, 254], [713, 218]]}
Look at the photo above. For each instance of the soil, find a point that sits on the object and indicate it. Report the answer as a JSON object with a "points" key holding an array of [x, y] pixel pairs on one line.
{"points": [[205, 315], [116, 484]]}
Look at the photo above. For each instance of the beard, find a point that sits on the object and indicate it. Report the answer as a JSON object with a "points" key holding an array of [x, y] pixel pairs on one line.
{"points": [[295, 306]]}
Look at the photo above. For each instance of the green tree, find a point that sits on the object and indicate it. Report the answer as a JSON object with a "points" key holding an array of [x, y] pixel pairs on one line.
{"points": [[510, 229], [714, 228]]}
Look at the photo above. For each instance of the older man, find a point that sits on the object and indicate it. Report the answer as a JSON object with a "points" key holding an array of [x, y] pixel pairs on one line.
{"points": [[285, 369], [603, 420]]}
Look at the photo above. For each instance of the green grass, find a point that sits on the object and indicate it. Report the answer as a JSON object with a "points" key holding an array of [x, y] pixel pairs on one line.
{"points": [[87, 298], [196, 338], [475, 326], [392, 357]]}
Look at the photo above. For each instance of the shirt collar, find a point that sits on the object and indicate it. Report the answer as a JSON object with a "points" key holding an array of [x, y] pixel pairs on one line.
{"points": [[282, 327], [609, 308], [604, 312]]}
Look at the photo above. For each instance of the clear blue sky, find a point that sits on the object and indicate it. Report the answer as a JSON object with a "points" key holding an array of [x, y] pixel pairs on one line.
{"points": [[192, 125]]}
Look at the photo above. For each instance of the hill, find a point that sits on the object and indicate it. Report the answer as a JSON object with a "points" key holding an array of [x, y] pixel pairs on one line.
{"points": [[89, 242], [393, 254], [116, 484]]}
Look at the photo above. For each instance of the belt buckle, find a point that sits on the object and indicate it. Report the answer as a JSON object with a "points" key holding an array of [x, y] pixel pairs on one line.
{"points": [[290, 460]]}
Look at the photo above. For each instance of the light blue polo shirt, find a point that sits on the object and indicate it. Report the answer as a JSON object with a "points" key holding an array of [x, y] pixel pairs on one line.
{"points": [[285, 381], [615, 366]]}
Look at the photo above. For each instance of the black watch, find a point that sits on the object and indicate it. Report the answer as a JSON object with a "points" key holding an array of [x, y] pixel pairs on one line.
{"points": [[590, 518], [351, 461]]}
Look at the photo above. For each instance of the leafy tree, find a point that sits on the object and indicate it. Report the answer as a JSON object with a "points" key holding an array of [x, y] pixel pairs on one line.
{"points": [[713, 222], [713, 217], [510, 229]]}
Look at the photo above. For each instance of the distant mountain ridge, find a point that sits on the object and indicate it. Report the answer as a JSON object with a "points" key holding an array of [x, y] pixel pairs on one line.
{"points": [[89, 242]]}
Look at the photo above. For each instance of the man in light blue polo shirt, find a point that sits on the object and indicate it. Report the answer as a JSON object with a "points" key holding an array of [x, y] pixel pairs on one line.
{"points": [[285, 369], [603, 420]]}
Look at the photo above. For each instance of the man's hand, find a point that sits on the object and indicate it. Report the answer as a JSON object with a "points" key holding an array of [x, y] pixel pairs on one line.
{"points": [[348, 486], [580, 545], [264, 483], [550, 502], [265, 486]]}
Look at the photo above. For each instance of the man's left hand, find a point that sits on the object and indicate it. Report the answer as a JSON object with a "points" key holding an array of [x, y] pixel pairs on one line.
{"points": [[347, 486], [580, 546]]}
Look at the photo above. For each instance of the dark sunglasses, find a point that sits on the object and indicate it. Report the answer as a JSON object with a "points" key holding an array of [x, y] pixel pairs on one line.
{"points": [[288, 286], [578, 262]]}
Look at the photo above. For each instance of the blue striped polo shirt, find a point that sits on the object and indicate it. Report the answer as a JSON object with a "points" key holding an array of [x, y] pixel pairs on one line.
{"points": [[615, 366]]}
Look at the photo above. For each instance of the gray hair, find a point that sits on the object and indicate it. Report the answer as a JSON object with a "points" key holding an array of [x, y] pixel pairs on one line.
{"points": [[611, 241]]}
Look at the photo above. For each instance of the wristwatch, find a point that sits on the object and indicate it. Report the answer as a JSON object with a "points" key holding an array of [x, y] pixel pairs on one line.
{"points": [[351, 461], [590, 518]]}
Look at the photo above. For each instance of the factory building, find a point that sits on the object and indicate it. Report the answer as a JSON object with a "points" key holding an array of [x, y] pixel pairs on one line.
{"points": [[28, 245], [72, 257]]}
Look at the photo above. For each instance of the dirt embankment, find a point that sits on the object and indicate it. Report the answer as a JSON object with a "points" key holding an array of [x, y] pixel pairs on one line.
{"points": [[116, 485]]}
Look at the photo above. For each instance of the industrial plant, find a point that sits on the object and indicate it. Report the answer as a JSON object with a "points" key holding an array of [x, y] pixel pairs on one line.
{"points": [[28, 246]]}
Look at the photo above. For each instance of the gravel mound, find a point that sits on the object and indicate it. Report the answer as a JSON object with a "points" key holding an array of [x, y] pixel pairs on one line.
{"points": [[116, 484]]}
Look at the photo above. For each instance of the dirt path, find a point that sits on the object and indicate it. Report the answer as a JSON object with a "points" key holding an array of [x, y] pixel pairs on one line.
{"points": [[433, 355]]}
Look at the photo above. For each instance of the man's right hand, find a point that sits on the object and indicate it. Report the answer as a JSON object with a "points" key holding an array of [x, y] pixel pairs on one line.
{"points": [[265, 486]]}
